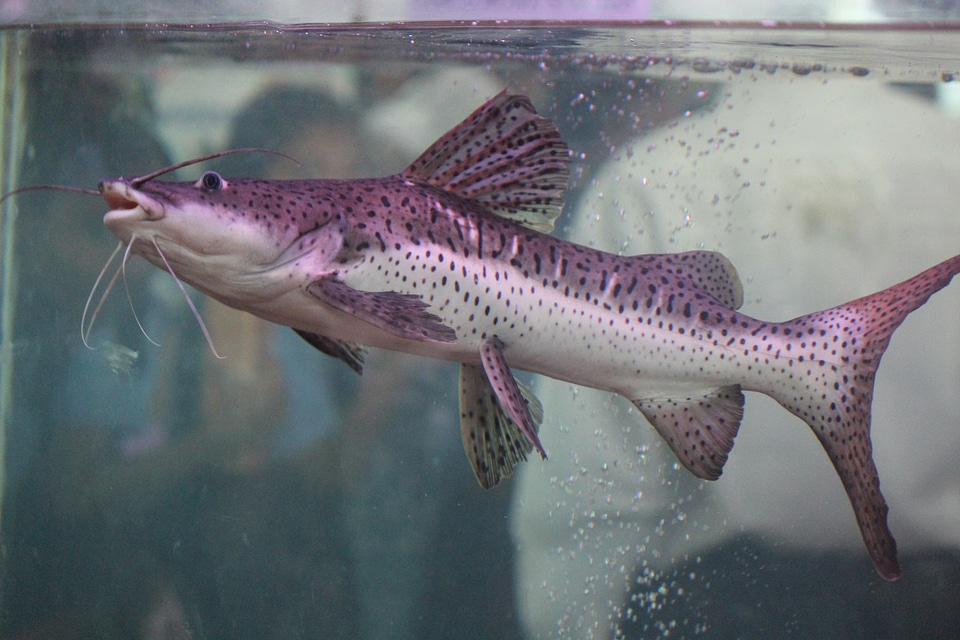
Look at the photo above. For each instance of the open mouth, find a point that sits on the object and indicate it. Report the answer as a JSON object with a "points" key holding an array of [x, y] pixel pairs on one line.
{"points": [[116, 193], [122, 198], [118, 201]]}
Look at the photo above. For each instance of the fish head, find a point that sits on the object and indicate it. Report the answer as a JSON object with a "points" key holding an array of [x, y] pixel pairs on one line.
{"points": [[223, 236], [209, 217]]}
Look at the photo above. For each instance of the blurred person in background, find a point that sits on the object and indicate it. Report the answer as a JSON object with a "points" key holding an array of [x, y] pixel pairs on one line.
{"points": [[813, 193]]}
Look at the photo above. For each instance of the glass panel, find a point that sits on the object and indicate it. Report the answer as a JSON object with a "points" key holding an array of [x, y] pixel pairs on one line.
{"points": [[11, 147], [155, 490]]}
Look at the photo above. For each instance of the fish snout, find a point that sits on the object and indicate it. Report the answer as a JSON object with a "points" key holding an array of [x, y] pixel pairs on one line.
{"points": [[128, 204]]}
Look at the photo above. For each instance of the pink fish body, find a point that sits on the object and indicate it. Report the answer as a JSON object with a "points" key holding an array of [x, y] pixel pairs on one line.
{"points": [[451, 259]]}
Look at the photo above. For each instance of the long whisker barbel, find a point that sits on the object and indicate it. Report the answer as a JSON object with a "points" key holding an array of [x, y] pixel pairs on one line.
{"points": [[193, 308], [123, 271], [48, 187], [85, 329], [136, 182]]}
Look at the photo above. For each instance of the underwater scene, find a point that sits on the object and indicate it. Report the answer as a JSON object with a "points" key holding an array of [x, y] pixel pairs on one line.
{"points": [[175, 468]]}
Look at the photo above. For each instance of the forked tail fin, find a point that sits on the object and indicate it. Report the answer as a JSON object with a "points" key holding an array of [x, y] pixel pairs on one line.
{"points": [[835, 356]]}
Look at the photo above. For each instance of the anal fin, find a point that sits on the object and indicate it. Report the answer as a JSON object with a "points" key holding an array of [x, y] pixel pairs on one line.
{"points": [[400, 314], [493, 442], [700, 429], [349, 352]]}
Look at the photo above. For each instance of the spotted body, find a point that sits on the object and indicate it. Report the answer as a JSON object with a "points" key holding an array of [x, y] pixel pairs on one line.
{"points": [[451, 259]]}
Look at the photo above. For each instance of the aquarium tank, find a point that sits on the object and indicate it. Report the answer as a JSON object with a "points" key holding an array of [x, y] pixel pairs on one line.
{"points": [[169, 478]]}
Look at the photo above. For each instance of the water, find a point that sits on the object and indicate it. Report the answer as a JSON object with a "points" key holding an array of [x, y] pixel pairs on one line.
{"points": [[157, 492]]}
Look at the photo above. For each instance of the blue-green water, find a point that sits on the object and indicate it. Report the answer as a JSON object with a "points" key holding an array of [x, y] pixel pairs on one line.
{"points": [[158, 492]]}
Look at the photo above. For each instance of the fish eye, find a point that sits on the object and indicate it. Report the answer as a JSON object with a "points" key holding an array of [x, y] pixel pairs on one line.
{"points": [[211, 181]]}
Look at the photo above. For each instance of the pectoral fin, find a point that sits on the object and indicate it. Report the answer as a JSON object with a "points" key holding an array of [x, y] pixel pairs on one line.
{"points": [[402, 315], [349, 352], [700, 429], [493, 442]]}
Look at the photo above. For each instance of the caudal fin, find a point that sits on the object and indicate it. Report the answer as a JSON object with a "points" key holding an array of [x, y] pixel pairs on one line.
{"points": [[835, 356]]}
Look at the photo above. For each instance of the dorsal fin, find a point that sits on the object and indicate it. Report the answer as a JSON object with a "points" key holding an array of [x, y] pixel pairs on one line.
{"points": [[706, 271], [504, 156]]}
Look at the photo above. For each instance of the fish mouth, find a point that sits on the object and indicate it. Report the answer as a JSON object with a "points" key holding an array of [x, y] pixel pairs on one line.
{"points": [[128, 204], [117, 201]]}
